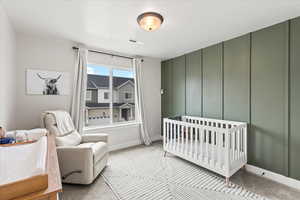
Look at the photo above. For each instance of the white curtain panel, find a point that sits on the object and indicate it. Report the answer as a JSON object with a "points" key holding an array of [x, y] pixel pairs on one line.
{"points": [[79, 90], [137, 65]]}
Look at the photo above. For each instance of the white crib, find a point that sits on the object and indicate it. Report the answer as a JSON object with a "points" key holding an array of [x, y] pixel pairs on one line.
{"points": [[218, 145]]}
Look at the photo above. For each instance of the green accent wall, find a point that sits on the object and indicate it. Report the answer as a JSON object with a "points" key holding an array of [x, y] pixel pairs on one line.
{"points": [[269, 64], [294, 147], [212, 81], [253, 78], [237, 79], [194, 84], [178, 90], [167, 86]]}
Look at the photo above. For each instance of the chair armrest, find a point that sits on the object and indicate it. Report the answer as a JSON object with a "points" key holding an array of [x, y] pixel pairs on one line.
{"points": [[73, 158], [95, 138]]}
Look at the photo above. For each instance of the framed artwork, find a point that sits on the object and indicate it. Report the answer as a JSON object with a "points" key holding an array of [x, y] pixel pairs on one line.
{"points": [[41, 82]]}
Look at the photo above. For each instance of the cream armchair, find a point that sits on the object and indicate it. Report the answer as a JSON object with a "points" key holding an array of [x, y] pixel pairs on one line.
{"points": [[81, 158]]}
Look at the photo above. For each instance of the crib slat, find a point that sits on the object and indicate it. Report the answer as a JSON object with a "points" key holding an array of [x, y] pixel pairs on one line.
{"points": [[191, 141], [196, 144], [227, 151], [219, 141], [233, 145], [245, 143], [186, 140], [167, 133], [172, 136], [213, 148], [206, 145], [164, 134], [238, 144], [175, 138], [201, 144], [182, 139], [179, 138]]}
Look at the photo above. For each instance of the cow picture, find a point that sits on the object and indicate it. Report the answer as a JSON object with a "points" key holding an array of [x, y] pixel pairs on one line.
{"points": [[41, 82], [50, 87]]}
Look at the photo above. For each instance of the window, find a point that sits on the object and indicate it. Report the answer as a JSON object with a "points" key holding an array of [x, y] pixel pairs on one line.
{"points": [[106, 95], [128, 95], [88, 95], [115, 87]]}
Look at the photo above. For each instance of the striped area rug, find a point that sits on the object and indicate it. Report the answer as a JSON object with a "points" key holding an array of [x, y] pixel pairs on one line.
{"points": [[147, 175]]}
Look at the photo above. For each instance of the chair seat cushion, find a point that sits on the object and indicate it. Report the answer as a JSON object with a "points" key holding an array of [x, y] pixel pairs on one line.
{"points": [[99, 149]]}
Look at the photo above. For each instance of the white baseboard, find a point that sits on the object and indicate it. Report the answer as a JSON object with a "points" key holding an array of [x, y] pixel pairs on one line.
{"points": [[124, 145], [274, 176], [132, 143], [156, 138]]}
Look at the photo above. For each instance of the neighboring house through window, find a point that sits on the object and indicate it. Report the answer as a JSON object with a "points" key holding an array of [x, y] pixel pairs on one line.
{"points": [[88, 95], [110, 92]]}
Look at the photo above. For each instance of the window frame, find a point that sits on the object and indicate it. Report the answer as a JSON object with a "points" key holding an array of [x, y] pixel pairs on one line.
{"points": [[111, 68]]}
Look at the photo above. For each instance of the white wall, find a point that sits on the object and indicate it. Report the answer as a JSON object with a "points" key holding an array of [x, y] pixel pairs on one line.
{"points": [[120, 136], [57, 54], [7, 72], [40, 53]]}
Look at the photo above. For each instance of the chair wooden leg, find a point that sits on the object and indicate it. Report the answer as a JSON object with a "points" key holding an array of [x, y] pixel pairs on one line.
{"points": [[165, 154]]}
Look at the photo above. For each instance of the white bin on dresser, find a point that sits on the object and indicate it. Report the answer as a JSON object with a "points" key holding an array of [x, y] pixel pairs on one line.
{"points": [[218, 145]]}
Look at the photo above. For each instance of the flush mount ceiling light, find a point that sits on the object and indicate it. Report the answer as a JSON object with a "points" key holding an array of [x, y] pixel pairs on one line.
{"points": [[150, 21]]}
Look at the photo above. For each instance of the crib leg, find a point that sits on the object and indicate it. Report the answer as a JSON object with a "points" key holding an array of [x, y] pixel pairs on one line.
{"points": [[244, 167], [227, 182]]}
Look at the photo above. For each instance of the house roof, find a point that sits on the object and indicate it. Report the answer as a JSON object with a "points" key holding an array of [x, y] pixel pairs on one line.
{"points": [[99, 81], [104, 105]]}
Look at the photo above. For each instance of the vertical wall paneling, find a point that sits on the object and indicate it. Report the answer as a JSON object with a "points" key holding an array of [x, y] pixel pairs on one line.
{"points": [[287, 100], [268, 90], [294, 147], [237, 79], [163, 87], [167, 86], [178, 92], [253, 78], [212, 81], [222, 81], [193, 84], [201, 82]]}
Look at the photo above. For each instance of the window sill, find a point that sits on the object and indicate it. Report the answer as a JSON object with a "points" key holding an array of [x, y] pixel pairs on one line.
{"points": [[90, 128]]}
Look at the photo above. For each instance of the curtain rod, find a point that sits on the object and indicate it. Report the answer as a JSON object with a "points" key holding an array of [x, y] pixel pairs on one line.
{"points": [[94, 51]]}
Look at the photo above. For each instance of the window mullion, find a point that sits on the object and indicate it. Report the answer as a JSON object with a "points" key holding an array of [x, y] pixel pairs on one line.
{"points": [[111, 95]]}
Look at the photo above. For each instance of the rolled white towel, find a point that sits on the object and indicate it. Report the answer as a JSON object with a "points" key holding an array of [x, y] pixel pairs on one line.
{"points": [[27, 135], [36, 134]]}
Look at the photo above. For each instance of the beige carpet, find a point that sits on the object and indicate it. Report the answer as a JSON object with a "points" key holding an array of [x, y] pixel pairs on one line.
{"points": [[151, 176], [99, 190]]}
